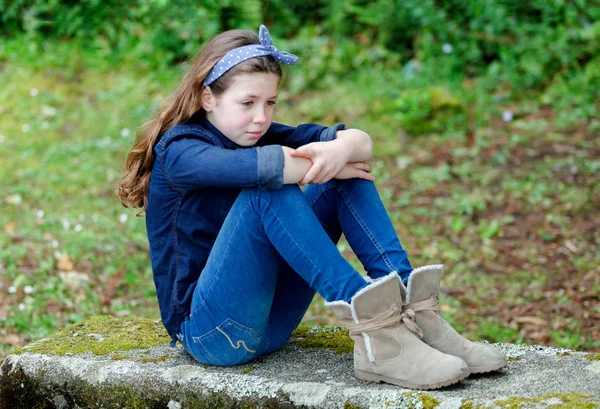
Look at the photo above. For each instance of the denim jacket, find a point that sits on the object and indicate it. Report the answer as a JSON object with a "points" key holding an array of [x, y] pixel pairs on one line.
{"points": [[197, 175]]}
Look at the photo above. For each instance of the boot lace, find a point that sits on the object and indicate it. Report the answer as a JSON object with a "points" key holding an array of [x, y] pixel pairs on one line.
{"points": [[388, 318], [428, 304]]}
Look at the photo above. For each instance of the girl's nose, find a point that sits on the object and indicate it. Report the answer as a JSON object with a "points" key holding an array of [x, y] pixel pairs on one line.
{"points": [[260, 116]]}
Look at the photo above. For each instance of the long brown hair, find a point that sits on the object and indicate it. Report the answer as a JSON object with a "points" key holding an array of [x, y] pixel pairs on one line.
{"points": [[182, 105]]}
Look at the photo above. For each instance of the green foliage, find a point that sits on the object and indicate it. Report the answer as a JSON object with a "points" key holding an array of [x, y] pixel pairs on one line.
{"points": [[544, 45], [176, 28], [429, 110]]}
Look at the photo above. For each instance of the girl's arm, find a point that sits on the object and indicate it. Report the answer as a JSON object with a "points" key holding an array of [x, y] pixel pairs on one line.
{"points": [[294, 169], [329, 158]]}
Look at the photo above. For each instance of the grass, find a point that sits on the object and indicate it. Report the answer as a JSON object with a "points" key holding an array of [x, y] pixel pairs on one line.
{"points": [[512, 216]]}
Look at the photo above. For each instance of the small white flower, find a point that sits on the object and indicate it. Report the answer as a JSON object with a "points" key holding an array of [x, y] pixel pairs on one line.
{"points": [[28, 289], [66, 224], [2, 138], [33, 92], [39, 214], [48, 111], [57, 255], [123, 218], [12, 289], [78, 227], [54, 244], [507, 116], [21, 307], [45, 125], [25, 127], [125, 132], [81, 218], [447, 48]]}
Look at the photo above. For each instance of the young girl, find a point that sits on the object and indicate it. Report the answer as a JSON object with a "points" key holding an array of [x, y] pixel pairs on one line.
{"points": [[238, 249]]}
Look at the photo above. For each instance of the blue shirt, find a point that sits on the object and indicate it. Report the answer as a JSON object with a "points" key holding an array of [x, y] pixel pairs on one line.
{"points": [[197, 175]]}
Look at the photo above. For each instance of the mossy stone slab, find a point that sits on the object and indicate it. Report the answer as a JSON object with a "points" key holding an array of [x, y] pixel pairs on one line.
{"points": [[106, 362]]}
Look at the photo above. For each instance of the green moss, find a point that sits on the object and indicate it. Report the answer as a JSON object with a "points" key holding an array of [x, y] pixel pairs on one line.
{"points": [[154, 360], [348, 405], [563, 354], [567, 401], [514, 358], [593, 357], [428, 401], [466, 404], [117, 356], [246, 371], [333, 338], [11, 391], [102, 335]]}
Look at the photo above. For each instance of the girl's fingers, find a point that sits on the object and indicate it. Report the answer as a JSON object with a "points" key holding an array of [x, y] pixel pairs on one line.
{"points": [[312, 174], [362, 166], [305, 151]]}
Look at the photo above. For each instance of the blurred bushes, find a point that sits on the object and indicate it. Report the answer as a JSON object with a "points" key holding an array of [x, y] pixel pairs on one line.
{"points": [[541, 45]]}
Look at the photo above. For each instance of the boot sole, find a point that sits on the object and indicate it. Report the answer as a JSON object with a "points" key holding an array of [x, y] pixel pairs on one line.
{"points": [[376, 378], [487, 368]]}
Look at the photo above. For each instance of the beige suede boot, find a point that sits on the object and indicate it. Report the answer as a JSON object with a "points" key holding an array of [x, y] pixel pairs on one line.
{"points": [[423, 293], [386, 345]]}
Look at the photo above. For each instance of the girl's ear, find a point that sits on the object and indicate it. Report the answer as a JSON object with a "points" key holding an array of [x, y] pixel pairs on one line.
{"points": [[208, 99]]}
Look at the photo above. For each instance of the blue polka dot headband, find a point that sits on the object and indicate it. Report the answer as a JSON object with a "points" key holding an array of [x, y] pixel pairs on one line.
{"points": [[240, 54]]}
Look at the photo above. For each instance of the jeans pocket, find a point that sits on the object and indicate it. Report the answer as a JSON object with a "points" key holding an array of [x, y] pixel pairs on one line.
{"points": [[230, 343]]}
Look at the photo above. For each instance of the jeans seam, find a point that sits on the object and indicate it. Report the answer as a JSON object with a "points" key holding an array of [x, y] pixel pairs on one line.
{"points": [[322, 190], [366, 229]]}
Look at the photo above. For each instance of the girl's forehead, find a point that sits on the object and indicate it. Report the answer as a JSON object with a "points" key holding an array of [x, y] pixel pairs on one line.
{"points": [[266, 82]]}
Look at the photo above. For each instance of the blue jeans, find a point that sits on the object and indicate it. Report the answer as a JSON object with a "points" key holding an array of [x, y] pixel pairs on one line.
{"points": [[274, 250]]}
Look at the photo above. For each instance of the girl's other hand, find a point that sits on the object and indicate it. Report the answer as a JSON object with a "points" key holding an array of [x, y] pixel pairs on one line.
{"points": [[328, 160], [360, 170]]}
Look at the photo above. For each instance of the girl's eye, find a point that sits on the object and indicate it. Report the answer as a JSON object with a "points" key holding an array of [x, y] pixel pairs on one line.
{"points": [[247, 103], [271, 103]]}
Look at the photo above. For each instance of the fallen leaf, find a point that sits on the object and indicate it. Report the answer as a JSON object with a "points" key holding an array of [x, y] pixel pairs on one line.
{"points": [[10, 227], [64, 264], [531, 320]]}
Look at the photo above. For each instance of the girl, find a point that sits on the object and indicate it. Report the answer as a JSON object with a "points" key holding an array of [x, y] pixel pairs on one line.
{"points": [[238, 250]]}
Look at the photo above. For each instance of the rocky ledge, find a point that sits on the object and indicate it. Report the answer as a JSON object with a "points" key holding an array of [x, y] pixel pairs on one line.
{"points": [[106, 362]]}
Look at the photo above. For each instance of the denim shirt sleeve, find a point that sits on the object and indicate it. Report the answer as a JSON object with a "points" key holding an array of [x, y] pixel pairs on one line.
{"points": [[303, 134], [329, 134], [190, 163]]}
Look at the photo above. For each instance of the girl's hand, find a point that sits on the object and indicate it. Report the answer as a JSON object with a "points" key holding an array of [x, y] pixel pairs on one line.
{"points": [[328, 160], [360, 170]]}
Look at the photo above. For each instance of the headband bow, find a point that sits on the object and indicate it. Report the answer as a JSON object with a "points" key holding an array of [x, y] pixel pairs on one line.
{"points": [[241, 54]]}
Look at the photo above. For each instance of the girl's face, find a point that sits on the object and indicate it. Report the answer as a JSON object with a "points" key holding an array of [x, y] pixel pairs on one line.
{"points": [[244, 112]]}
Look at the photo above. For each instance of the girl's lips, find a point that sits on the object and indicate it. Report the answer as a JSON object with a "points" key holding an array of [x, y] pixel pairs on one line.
{"points": [[255, 134]]}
